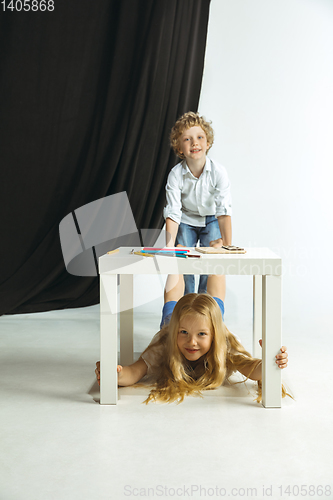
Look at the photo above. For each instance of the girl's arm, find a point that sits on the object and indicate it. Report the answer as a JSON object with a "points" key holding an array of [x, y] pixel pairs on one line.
{"points": [[127, 375], [281, 360], [256, 373]]}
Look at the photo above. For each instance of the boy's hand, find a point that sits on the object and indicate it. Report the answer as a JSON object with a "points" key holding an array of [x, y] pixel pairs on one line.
{"points": [[281, 358], [216, 243], [98, 372]]}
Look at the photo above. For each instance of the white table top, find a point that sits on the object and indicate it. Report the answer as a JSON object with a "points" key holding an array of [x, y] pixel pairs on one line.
{"points": [[256, 261]]}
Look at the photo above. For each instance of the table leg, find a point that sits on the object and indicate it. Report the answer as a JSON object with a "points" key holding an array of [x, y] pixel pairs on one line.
{"points": [[257, 315], [271, 323], [126, 319], [109, 347]]}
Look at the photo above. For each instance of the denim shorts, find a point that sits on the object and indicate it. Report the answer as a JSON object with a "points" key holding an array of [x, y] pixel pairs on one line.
{"points": [[169, 307], [189, 236]]}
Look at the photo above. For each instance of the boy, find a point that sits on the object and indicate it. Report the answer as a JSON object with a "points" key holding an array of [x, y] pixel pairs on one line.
{"points": [[197, 192]]}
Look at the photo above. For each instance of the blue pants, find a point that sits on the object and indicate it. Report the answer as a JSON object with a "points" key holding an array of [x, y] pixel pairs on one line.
{"points": [[189, 236]]}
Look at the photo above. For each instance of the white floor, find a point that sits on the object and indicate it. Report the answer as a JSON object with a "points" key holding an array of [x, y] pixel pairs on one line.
{"points": [[58, 443]]}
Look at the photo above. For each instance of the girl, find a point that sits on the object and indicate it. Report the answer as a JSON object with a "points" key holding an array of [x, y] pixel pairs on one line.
{"points": [[193, 350]]}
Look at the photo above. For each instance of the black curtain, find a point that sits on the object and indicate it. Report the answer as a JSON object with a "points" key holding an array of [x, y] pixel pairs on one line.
{"points": [[88, 94]]}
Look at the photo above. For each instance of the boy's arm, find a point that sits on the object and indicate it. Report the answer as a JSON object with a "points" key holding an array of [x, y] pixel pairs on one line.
{"points": [[173, 209], [225, 229], [223, 204], [171, 232], [127, 375]]}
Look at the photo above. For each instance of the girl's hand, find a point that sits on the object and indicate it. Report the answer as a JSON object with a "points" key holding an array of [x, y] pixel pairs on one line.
{"points": [[98, 372], [216, 243], [119, 370], [281, 358]]}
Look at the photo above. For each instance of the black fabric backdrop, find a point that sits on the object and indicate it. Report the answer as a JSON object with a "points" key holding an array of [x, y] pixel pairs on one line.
{"points": [[88, 95]]}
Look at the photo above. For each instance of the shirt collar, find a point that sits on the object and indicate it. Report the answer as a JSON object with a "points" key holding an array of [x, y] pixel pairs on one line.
{"points": [[207, 167]]}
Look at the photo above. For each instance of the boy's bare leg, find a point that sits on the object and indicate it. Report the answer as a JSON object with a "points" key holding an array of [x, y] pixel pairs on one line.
{"points": [[216, 286], [174, 287]]}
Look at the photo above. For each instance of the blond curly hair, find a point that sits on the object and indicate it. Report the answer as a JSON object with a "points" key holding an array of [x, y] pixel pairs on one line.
{"points": [[186, 121]]}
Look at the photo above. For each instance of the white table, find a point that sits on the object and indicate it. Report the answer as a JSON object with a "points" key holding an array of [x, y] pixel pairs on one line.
{"points": [[261, 263]]}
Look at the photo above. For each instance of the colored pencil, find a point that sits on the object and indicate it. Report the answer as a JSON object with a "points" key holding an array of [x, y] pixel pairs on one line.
{"points": [[167, 249], [159, 252], [163, 254]]}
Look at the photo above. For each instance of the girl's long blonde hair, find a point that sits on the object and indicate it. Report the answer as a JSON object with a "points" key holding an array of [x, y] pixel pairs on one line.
{"points": [[176, 377]]}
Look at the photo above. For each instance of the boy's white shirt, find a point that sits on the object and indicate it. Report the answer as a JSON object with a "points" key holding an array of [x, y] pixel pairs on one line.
{"points": [[190, 199]]}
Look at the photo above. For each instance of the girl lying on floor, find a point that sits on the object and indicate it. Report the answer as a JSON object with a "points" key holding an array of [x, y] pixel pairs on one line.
{"points": [[193, 350]]}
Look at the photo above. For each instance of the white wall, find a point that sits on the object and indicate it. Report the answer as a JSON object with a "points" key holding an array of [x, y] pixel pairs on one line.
{"points": [[267, 88]]}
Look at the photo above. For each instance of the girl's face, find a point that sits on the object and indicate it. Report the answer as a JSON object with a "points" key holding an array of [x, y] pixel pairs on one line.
{"points": [[194, 336]]}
